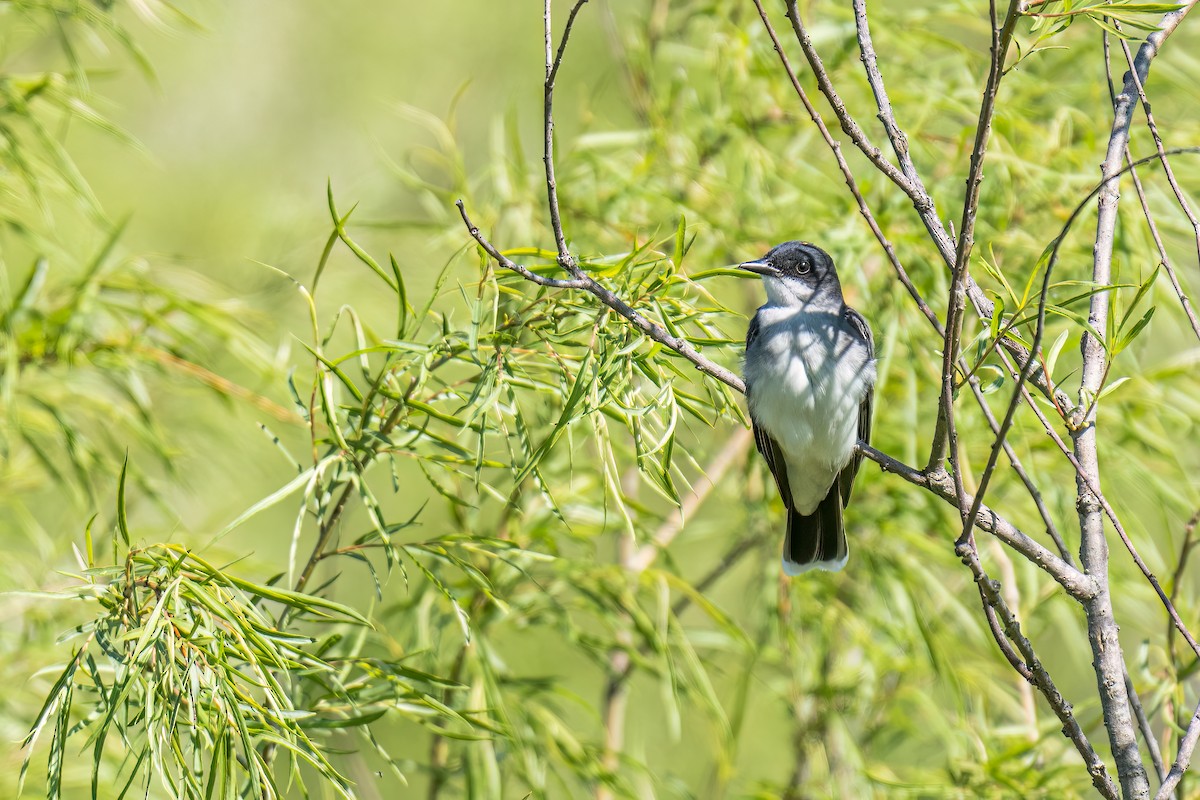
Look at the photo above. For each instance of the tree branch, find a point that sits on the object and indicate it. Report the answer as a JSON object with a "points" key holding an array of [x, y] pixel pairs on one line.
{"points": [[989, 590], [1108, 660], [553, 62], [1180, 198], [911, 185], [944, 431], [1077, 584], [851, 183]]}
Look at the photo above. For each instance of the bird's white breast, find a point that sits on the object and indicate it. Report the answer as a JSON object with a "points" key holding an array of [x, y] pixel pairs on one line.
{"points": [[808, 376]]}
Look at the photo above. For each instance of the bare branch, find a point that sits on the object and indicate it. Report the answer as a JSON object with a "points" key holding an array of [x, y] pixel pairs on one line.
{"points": [[1188, 743], [507, 263], [553, 62], [1179, 195], [1077, 584], [849, 126], [836, 148], [920, 196], [1139, 713], [1108, 660], [1002, 33], [989, 591]]}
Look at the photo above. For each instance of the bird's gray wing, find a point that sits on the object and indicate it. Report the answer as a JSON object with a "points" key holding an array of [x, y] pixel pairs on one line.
{"points": [[762, 440], [846, 478]]}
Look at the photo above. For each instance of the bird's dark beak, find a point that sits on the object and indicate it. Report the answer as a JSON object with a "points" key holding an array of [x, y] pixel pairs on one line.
{"points": [[759, 268]]}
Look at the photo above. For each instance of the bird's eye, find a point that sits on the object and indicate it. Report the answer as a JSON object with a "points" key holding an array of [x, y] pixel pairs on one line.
{"points": [[805, 266]]}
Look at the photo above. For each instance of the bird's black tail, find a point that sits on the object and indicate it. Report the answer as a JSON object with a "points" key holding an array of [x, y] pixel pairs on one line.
{"points": [[816, 540]]}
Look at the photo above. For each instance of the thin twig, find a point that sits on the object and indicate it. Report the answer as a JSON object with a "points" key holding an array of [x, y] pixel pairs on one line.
{"points": [[610, 299], [1011, 591], [1139, 714], [553, 62], [851, 183], [507, 263], [1002, 33], [1185, 552], [1179, 195], [1001, 621], [849, 125], [917, 191], [910, 185]]}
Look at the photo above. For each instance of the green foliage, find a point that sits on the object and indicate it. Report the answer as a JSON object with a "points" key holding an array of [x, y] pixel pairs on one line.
{"points": [[483, 462], [84, 328], [189, 679]]}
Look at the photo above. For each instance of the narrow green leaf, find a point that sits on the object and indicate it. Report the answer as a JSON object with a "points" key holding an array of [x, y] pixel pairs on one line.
{"points": [[122, 519]]}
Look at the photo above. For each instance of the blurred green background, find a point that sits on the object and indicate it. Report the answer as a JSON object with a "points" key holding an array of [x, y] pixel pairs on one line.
{"points": [[880, 681]]}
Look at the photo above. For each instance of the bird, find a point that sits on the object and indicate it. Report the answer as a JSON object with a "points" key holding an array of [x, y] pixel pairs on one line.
{"points": [[810, 384]]}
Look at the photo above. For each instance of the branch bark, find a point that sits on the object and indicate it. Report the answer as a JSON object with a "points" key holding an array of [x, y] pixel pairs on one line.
{"points": [[1108, 660]]}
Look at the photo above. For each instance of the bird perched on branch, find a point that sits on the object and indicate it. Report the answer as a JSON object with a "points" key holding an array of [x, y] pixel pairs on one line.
{"points": [[810, 381]]}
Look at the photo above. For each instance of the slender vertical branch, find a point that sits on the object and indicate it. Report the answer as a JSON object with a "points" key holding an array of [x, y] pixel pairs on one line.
{"points": [[944, 435], [847, 175], [1108, 660], [553, 62], [1180, 198], [915, 187], [906, 178]]}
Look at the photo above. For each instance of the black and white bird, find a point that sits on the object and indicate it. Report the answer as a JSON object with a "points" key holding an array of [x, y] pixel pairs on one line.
{"points": [[810, 381]]}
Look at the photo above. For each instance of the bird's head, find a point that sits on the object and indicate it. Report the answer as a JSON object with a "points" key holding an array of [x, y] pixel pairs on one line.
{"points": [[797, 273]]}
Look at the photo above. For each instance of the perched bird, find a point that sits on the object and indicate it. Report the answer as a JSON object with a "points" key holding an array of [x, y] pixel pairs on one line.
{"points": [[810, 381]]}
